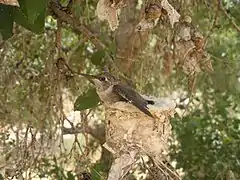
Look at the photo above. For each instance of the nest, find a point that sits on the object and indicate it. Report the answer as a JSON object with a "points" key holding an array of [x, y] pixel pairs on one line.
{"points": [[129, 132]]}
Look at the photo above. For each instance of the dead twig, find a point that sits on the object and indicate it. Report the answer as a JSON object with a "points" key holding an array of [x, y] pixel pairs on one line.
{"points": [[76, 25], [228, 16]]}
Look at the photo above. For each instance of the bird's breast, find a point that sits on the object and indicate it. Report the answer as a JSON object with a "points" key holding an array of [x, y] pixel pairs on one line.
{"points": [[108, 96]]}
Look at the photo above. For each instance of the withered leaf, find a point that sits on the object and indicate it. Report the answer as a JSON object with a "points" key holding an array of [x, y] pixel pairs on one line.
{"points": [[10, 2], [107, 11], [172, 13]]}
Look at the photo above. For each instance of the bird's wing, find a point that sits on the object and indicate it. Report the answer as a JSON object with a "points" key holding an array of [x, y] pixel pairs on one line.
{"points": [[131, 96]]}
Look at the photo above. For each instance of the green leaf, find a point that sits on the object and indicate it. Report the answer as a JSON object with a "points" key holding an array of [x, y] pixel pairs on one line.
{"points": [[97, 57], [112, 48], [77, 56], [6, 21], [70, 176], [87, 100], [31, 14], [63, 3], [98, 170], [1, 177]]}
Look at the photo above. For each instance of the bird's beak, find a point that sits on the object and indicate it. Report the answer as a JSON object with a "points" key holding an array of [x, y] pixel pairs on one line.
{"points": [[89, 77]]}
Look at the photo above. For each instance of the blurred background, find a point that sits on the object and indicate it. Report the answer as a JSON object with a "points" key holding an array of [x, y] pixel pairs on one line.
{"points": [[52, 126]]}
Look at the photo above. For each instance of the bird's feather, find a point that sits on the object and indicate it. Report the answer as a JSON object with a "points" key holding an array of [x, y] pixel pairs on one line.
{"points": [[131, 96]]}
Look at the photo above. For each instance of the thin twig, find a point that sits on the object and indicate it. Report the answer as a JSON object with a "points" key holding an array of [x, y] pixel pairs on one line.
{"points": [[77, 26], [160, 163], [58, 39], [213, 24], [228, 16]]}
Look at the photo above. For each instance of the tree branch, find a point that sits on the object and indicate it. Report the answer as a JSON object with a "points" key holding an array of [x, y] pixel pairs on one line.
{"points": [[228, 16], [77, 26], [74, 22]]}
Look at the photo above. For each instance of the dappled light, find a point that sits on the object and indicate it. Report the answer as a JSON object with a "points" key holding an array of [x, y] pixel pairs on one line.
{"points": [[170, 111]]}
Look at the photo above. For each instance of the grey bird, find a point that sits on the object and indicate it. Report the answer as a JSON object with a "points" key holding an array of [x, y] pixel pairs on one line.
{"points": [[110, 90]]}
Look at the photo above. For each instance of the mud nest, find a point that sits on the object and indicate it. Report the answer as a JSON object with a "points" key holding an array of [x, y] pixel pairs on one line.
{"points": [[129, 132]]}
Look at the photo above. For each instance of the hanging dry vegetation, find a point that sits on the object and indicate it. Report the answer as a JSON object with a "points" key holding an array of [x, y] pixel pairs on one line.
{"points": [[157, 46]]}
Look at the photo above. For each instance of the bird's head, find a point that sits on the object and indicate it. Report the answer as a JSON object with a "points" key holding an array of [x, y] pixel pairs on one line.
{"points": [[102, 81]]}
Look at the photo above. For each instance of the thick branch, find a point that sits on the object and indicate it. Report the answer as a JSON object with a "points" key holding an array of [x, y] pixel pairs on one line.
{"points": [[72, 130], [74, 22]]}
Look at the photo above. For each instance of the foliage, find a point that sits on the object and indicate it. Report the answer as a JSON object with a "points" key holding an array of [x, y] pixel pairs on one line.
{"points": [[209, 139], [36, 87], [86, 100], [30, 14]]}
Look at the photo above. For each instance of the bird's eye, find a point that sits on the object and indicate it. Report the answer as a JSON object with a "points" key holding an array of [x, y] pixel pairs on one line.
{"points": [[139, 28], [102, 79]]}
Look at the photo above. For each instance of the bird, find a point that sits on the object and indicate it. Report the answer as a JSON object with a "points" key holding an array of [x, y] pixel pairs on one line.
{"points": [[111, 90]]}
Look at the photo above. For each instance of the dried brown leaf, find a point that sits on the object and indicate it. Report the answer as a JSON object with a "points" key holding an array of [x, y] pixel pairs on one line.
{"points": [[109, 11], [191, 65], [10, 2], [198, 41], [146, 24], [167, 64], [172, 13], [185, 33], [153, 11], [150, 18], [121, 166]]}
